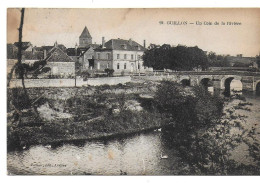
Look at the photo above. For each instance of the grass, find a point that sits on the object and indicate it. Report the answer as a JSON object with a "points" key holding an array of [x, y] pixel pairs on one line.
{"points": [[96, 112]]}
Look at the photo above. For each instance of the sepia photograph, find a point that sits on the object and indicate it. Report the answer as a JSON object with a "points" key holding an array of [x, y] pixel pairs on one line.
{"points": [[133, 91]]}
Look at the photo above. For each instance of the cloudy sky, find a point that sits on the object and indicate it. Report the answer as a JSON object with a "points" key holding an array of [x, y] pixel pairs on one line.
{"points": [[45, 26]]}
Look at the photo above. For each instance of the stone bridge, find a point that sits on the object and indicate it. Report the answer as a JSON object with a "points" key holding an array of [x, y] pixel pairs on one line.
{"points": [[219, 80]]}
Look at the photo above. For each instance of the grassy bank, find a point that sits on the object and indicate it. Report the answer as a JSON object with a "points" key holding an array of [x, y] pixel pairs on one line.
{"points": [[78, 114]]}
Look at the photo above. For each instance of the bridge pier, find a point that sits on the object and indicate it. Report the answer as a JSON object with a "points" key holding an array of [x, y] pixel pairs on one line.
{"points": [[217, 86]]}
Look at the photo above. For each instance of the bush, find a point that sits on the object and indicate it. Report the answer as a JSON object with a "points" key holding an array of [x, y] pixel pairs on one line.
{"points": [[201, 133], [109, 72]]}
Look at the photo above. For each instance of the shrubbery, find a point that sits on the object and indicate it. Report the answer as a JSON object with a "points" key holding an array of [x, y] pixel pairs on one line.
{"points": [[201, 132]]}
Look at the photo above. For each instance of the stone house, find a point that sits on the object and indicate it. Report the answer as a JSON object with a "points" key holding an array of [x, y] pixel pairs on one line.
{"points": [[123, 56], [62, 66]]}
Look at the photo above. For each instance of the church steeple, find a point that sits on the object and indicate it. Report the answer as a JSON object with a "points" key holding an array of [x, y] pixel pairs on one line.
{"points": [[85, 38]]}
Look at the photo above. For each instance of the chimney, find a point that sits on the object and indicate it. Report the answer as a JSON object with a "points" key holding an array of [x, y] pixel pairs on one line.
{"points": [[44, 54], [144, 44], [103, 42], [130, 42], [56, 44]]}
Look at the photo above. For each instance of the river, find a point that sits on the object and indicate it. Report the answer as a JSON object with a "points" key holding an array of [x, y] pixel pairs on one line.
{"points": [[141, 154], [137, 155]]}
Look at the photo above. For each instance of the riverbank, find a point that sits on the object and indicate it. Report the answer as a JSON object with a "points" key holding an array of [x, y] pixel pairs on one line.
{"points": [[71, 115]]}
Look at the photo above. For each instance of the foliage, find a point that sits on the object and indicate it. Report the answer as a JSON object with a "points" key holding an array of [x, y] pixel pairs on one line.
{"points": [[175, 58], [218, 60], [37, 68], [85, 75], [99, 114], [240, 64], [109, 72], [203, 136]]}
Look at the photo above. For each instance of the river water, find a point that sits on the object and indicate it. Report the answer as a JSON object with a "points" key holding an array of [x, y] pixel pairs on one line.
{"points": [[140, 154], [137, 155]]}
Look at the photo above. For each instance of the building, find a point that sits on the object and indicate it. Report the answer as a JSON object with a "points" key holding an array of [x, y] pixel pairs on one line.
{"points": [[84, 53], [85, 38], [60, 64], [123, 56]]}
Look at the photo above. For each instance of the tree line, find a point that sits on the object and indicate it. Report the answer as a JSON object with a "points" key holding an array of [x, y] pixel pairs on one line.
{"points": [[185, 58], [175, 58]]}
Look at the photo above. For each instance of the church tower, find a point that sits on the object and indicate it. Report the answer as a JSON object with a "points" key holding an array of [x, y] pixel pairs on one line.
{"points": [[85, 38]]}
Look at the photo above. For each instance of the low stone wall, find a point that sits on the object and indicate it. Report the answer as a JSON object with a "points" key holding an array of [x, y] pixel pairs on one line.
{"points": [[35, 83], [157, 78], [103, 81]]}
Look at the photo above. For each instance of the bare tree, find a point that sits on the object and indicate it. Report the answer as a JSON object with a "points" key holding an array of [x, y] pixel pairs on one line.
{"points": [[19, 67]]}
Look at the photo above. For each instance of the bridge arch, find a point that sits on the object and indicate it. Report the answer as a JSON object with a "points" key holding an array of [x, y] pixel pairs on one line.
{"points": [[185, 80], [206, 81], [226, 84]]}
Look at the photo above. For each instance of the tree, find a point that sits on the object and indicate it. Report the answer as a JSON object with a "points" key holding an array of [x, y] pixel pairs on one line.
{"points": [[218, 60], [109, 72], [202, 133], [175, 58], [21, 70]]}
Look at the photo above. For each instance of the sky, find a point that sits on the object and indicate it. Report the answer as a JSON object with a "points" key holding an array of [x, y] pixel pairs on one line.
{"points": [[45, 26]]}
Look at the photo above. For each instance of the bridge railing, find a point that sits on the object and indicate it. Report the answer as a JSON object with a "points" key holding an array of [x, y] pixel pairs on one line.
{"points": [[167, 72]]}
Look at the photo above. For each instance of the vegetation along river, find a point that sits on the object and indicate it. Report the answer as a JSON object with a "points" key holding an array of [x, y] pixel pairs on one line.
{"points": [[139, 154]]}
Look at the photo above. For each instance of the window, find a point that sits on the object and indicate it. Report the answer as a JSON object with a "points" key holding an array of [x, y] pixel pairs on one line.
{"points": [[118, 66], [139, 57], [132, 57], [118, 56], [125, 66], [108, 56], [107, 65], [124, 56], [98, 56], [138, 66]]}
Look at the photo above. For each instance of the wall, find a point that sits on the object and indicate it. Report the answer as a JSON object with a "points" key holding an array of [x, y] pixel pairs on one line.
{"points": [[34, 83], [62, 68], [103, 81], [131, 64]]}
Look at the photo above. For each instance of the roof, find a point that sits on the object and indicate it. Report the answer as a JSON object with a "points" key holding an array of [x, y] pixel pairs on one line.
{"points": [[94, 46], [57, 55], [29, 55], [42, 48], [48, 48], [121, 44], [85, 33], [71, 52], [25, 45]]}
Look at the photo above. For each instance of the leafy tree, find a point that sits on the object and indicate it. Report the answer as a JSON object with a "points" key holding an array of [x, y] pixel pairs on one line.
{"points": [[218, 60], [109, 72], [175, 58], [200, 131]]}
